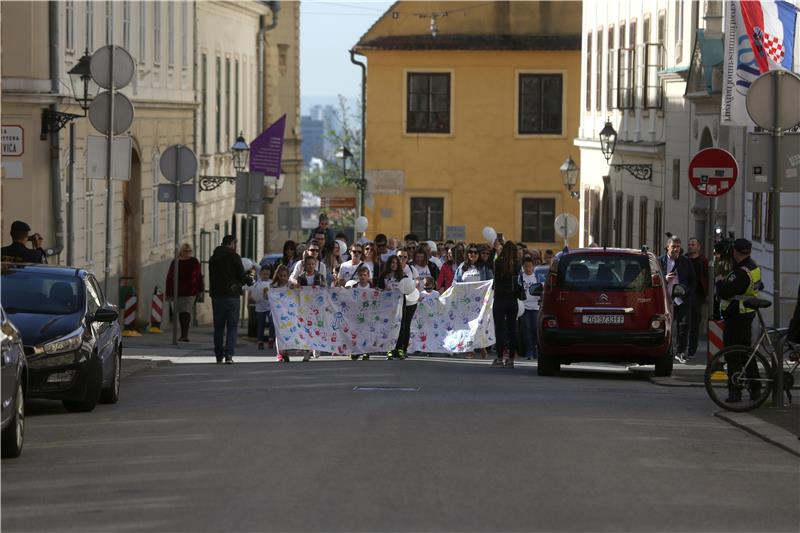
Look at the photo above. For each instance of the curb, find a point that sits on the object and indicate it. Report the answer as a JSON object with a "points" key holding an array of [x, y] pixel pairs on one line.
{"points": [[764, 430], [142, 364], [674, 382]]}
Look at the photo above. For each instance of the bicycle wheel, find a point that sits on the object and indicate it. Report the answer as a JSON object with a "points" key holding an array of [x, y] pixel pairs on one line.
{"points": [[746, 388]]}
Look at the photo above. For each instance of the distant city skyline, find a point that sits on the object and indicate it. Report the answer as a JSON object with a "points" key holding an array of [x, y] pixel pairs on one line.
{"points": [[328, 30]]}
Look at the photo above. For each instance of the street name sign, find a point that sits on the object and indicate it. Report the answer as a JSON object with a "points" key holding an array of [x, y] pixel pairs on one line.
{"points": [[713, 172], [13, 140]]}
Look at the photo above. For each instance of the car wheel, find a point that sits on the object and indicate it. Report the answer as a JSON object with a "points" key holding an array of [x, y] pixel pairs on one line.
{"points": [[548, 365], [111, 393], [14, 434], [664, 365], [93, 387]]}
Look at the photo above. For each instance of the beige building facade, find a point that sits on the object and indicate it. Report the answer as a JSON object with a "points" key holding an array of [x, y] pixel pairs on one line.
{"points": [[196, 83]]}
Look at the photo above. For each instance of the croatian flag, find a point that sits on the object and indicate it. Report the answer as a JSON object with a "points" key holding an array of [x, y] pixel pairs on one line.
{"points": [[770, 27], [759, 37]]}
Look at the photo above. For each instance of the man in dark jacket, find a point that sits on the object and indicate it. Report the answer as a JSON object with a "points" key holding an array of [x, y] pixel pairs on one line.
{"points": [[18, 251], [678, 270], [227, 276], [700, 265]]}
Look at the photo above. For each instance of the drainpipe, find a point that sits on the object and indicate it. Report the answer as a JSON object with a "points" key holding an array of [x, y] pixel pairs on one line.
{"points": [[55, 148], [363, 183]]}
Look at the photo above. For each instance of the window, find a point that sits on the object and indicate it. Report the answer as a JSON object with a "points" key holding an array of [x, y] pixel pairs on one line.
{"points": [[678, 4], [126, 24], [618, 220], [184, 34], [156, 33], [236, 102], [109, 22], [641, 62], [661, 32], [93, 300], [757, 216], [538, 217], [540, 103], [770, 236], [90, 26], [156, 234], [142, 31], [657, 222], [203, 103], [228, 109], [594, 210], [643, 221], [588, 72], [69, 26], [598, 105], [610, 100], [633, 80], [171, 33], [624, 84], [629, 222], [676, 179], [428, 103], [218, 108], [427, 218]]}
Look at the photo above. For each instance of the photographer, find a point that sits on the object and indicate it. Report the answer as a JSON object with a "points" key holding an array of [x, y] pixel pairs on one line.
{"points": [[18, 251]]}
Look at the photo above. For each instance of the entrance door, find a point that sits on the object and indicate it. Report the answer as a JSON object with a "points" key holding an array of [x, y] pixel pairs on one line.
{"points": [[132, 224]]}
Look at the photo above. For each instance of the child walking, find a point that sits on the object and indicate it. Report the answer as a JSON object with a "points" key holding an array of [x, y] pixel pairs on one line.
{"points": [[259, 294]]}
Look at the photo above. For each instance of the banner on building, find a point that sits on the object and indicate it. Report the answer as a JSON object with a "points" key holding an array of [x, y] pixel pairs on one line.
{"points": [[266, 150], [458, 321], [760, 36], [336, 320]]}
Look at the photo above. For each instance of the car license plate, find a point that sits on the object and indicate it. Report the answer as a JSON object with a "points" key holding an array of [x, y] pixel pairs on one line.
{"points": [[604, 319]]}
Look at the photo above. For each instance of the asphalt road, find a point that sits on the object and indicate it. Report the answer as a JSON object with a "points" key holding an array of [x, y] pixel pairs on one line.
{"points": [[257, 447]]}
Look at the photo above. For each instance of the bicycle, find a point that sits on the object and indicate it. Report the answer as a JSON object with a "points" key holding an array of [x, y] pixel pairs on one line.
{"points": [[757, 373]]}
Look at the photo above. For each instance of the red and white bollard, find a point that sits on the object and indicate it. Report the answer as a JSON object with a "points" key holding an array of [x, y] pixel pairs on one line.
{"points": [[715, 332], [129, 317], [156, 308]]}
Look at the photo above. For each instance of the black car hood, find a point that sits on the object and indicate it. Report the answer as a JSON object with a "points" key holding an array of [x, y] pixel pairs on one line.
{"points": [[36, 329]]}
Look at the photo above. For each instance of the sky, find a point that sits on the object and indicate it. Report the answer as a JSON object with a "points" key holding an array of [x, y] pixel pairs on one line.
{"points": [[328, 30]]}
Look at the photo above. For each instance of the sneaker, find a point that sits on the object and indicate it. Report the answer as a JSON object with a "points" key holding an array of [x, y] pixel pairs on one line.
{"points": [[307, 357], [679, 358], [260, 345], [365, 357], [229, 360], [755, 393], [219, 360], [391, 354], [315, 353], [508, 363], [283, 358], [497, 363], [401, 354], [354, 357]]}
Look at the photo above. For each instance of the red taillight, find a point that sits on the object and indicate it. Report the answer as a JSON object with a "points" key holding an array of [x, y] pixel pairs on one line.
{"points": [[656, 280], [550, 322]]}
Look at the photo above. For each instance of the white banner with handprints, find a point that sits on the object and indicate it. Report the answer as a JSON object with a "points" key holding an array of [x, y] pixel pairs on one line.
{"points": [[460, 320], [336, 320]]}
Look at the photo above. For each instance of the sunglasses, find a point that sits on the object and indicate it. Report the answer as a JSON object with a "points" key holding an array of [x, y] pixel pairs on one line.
{"points": [[402, 257], [313, 249], [368, 247], [356, 251]]}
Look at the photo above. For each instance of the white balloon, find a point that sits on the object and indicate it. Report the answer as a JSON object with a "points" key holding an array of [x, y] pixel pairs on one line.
{"points": [[247, 264], [361, 224], [489, 234], [407, 286], [412, 298], [350, 283], [520, 308]]}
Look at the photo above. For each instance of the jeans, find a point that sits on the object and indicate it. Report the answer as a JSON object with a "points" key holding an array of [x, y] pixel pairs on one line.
{"points": [[504, 312], [264, 319], [226, 315], [681, 314], [530, 344]]}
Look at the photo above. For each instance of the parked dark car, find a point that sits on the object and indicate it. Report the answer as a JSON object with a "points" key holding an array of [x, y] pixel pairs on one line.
{"points": [[605, 305], [72, 338], [15, 386]]}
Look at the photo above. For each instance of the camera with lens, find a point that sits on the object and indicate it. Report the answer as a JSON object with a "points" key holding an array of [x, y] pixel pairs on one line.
{"points": [[34, 238]]}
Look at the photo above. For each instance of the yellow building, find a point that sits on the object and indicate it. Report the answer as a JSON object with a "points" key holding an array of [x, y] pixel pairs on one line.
{"points": [[471, 108]]}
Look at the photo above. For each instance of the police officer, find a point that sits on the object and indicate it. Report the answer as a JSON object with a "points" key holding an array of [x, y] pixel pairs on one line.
{"points": [[17, 251], [743, 282]]}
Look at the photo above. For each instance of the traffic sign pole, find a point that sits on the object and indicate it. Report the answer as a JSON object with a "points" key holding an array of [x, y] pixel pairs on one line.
{"points": [[175, 271], [777, 134], [109, 187]]}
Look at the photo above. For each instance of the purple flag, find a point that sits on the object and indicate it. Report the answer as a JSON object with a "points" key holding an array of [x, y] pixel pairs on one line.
{"points": [[266, 150]]}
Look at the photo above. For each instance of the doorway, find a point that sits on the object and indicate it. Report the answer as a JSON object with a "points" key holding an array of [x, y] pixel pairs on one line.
{"points": [[132, 222]]}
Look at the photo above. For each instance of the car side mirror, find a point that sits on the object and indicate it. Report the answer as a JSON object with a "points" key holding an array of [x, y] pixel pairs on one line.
{"points": [[678, 291], [536, 289], [105, 315]]}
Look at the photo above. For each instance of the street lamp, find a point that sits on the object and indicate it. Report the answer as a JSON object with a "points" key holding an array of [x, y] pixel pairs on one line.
{"points": [[569, 175], [240, 153], [84, 88], [608, 144], [344, 154]]}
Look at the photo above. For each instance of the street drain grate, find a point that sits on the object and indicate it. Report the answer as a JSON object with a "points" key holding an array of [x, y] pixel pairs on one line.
{"points": [[374, 388]]}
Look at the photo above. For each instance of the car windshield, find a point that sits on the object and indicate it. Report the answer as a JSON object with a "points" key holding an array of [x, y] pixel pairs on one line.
{"points": [[40, 292], [595, 272]]}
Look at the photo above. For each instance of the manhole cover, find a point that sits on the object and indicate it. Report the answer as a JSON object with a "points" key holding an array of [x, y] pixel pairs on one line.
{"points": [[374, 388]]}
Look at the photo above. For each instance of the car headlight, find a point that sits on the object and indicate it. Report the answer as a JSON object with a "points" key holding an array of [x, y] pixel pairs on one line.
{"points": [[65, 344]]}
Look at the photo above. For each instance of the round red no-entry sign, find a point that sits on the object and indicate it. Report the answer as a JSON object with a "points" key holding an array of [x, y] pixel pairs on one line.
{"points": [[713, 172]]}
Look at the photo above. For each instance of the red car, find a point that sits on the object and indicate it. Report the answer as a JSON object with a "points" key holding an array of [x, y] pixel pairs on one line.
{"points": [[605, 305]]}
